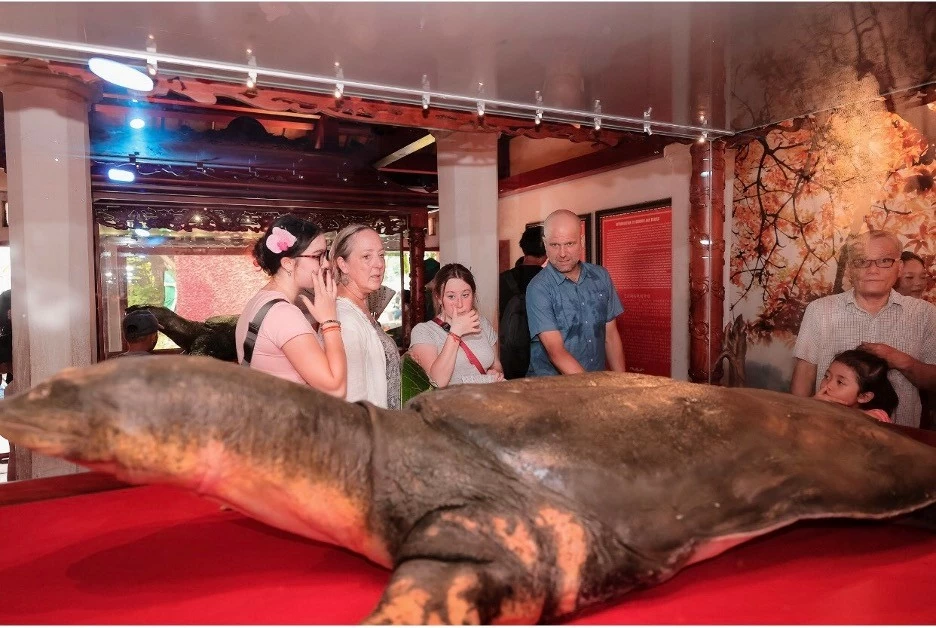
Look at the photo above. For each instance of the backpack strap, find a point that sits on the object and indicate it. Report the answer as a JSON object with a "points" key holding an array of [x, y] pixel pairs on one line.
{"points": [[254, 328], [512, 282], [468, 352]]}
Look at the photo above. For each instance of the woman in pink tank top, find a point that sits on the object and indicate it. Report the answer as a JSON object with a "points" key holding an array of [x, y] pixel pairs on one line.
{"points": [[292, 252]]}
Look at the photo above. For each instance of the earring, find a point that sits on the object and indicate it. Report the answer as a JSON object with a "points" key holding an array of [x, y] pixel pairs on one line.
{"points": [[289, 273]]}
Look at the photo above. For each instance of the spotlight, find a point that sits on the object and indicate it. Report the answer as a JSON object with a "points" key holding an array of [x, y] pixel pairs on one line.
{"points": [[646, 126], [480, 100], [251, 74], [137, 123], [339, 85], [120, 74], [703, 137], [538, 117], [151, 63], [425, 96], [122, 176], [143, 233], [597, 117]]}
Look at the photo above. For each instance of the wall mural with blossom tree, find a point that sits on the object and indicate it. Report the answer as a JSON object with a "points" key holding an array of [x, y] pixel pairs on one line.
{"points": [[804, 187]]}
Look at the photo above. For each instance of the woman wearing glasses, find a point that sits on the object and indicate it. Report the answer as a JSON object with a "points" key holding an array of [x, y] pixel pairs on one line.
{"points": [[272, 334]]}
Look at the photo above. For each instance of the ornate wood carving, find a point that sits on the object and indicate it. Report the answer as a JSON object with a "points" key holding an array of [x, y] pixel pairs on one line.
{"points": [[706, 258], [734, 351], [139, 215]]}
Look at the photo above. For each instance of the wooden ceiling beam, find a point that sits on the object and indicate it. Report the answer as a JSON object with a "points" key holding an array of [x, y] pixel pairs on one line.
{"points": [[418, 163], [409, 149], [326, 134], [586, 165], [188, 105], [220, 119]]}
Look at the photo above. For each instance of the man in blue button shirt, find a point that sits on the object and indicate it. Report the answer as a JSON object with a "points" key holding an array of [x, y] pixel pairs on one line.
{"points": [[571, 307]]}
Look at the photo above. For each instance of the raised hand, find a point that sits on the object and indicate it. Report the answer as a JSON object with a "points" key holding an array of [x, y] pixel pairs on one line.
{"points": [[466, 323], [322, 305]]}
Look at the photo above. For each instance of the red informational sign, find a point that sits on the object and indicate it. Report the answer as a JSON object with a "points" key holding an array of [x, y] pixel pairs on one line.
{"points": [[636, 249]]}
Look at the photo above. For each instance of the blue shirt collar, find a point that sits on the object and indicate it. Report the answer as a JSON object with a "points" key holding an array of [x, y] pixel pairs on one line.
{"points": [[558, 277]]}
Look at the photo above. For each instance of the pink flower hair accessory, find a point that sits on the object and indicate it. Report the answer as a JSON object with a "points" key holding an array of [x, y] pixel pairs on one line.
{"points": [[280, 240]]}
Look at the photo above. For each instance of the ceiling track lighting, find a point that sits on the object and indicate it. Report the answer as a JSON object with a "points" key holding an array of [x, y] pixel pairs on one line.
{"points": [[152, 65], [597, 118], [68, 51], [339, 83], [538, 116], [425, 94], [646, 117]]}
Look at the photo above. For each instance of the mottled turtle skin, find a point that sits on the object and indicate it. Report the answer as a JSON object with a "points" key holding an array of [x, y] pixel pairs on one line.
{"points": [[522, 501]]}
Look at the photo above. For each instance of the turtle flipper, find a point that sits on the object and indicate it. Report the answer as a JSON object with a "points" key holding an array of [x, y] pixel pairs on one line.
{"points": [[426, 591], [462, 567]]}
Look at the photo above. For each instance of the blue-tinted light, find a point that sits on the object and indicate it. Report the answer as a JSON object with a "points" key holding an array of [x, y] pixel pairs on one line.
{"points": [[124, 176], [143, 233], [120, 74], [137, 123]]}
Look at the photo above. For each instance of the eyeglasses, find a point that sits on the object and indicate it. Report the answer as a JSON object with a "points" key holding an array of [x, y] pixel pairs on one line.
{"points": [[319, 257], [884, 262]]}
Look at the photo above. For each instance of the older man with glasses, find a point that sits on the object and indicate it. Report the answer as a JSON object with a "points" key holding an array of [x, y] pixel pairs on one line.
{"points": [[875, 317]]}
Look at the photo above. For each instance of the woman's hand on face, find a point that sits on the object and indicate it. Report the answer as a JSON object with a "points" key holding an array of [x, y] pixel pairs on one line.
{"points": [[322, 306], [466, 323]]}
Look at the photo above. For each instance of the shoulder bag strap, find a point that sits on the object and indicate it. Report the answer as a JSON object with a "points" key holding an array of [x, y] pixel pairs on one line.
{"points": [[254, 328], [468, 352]]}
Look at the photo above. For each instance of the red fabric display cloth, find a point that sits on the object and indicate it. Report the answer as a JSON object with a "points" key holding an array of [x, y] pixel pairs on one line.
{"points": [[160, 555]]}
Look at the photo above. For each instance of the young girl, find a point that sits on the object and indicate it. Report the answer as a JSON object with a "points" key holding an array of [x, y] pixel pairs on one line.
{"points": [[459, 346], [858, 379]]}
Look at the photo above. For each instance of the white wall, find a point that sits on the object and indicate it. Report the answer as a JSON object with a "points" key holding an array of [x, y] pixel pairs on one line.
{"points": [[666, 177]]}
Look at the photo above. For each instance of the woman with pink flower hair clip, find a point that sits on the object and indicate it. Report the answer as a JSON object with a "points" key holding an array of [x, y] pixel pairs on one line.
{"points": [[272, 334]]}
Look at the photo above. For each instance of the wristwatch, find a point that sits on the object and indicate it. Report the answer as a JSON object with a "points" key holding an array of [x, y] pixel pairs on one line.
{"points": [[446, 327]]}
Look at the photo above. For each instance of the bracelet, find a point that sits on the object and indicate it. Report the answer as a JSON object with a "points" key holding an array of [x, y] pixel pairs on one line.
{"points": [[325, 330], [331, 320]]}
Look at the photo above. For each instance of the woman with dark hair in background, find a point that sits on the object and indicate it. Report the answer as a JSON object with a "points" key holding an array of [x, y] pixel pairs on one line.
{"points": [[459, 346], [293, 253], [357, 256]]}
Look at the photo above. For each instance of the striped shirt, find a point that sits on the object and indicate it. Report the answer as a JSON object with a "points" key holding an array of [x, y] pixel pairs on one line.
{"points": [[836, 323]]}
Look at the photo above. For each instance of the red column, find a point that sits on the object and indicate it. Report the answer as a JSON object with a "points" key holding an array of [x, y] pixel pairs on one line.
{"points": [[417, 249], [706, 258]]}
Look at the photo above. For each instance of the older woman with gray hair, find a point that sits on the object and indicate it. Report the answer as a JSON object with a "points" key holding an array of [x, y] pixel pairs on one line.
{"points": [[357, 257]]}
